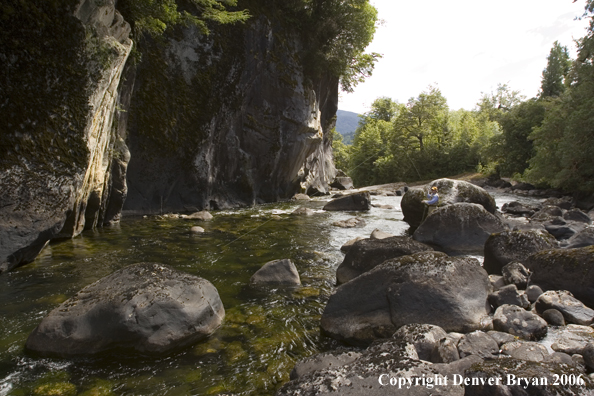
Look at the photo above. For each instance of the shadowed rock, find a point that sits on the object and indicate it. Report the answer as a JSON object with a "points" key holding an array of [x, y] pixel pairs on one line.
{"points": [[459, 228], [427, 287], [366, 254], [148, 307], [507, 246]]}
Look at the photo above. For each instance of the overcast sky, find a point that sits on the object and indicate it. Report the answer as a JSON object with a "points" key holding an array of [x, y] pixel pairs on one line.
{"points": [[464, 47]]}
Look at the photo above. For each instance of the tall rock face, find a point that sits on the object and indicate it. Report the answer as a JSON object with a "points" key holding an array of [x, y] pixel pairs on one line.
{"points": [[228, 119], [202, 122], [62, 64]]}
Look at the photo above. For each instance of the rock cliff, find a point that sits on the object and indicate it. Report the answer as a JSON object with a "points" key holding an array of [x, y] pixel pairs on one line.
{"points": [[238, 121], [203, 121], [60, 92]]}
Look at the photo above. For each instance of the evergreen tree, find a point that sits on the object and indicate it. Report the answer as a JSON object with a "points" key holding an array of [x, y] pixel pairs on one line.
{"points": [[554, 75]]}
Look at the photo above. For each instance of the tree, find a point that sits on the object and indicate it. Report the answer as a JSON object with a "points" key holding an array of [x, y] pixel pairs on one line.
{"points": [[384, 109], [554, 75], [337, 32], [565, 141], [517, 126], [154, 16], [496, 103], [340, 151], [424, 117]]}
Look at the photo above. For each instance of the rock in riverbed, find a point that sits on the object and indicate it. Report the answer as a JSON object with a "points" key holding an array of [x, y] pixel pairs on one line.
{"points": [[427, 287], [148, 307]]}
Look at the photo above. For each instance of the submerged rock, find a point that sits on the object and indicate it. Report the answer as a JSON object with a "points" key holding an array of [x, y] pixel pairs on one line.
{"points": [[354, 222], [148, 307]]}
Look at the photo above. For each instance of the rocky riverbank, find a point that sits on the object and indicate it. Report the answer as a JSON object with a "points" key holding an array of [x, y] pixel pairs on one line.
{"points": [[444, 323]]}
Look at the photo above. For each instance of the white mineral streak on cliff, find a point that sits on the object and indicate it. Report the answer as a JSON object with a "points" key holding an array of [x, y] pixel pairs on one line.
{"points": [[99, 134]]}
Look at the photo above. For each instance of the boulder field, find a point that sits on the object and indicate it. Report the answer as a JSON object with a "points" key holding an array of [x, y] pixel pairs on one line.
{"points": [[408, 312]]}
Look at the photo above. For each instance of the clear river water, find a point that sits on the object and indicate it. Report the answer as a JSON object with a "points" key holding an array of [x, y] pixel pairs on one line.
{"points": [[265, 331]]}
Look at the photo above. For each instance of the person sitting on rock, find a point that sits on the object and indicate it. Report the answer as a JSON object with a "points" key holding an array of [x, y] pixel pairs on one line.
{"points": [[431, 202], [432, 196]]}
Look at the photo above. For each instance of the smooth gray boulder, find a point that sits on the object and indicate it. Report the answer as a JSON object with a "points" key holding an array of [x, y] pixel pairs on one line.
{"points": [[565, 269], [450, 192], [553, 317], [519, 322], [147, 307], [427, 287], [277, 272], [459, 228], [360, 201], [573, 310], [533, 292], [366, 254], [514, 246]]}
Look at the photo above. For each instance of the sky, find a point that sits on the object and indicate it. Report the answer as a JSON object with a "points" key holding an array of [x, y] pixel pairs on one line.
{"points": [[464, 47]]}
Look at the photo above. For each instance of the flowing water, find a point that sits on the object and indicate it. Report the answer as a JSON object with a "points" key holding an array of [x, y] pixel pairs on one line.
{"points": [[265, 331]]}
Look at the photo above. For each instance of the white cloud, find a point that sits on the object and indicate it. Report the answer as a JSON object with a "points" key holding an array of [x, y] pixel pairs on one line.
{"points": [[465, 47]]}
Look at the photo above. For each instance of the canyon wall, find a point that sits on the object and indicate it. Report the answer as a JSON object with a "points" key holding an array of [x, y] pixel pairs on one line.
{"points": [[61, 71], [195, 122]]}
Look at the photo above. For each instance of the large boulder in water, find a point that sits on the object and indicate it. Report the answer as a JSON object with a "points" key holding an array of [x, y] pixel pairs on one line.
{"points": [[427, 287], [459, 228], [148, 307], [505, 247], [450, 192], [565, 269], [366, 254], [360, 201]]}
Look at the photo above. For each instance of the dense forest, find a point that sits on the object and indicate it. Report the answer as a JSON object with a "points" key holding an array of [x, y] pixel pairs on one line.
{"points": [[547, 140]]}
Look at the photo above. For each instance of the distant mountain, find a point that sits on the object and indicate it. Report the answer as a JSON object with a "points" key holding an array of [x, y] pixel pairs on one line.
{"points": [[346, 124]]}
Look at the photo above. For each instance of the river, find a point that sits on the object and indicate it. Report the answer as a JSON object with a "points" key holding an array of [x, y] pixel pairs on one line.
{"points": [[265, 331]]}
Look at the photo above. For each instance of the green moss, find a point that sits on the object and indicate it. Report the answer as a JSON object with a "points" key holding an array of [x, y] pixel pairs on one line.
{"points": [[55, 389], [99, 388]]}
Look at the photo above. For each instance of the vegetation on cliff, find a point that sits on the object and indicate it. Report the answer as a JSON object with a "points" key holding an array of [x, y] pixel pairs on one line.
{"points": [[546, 140]]}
